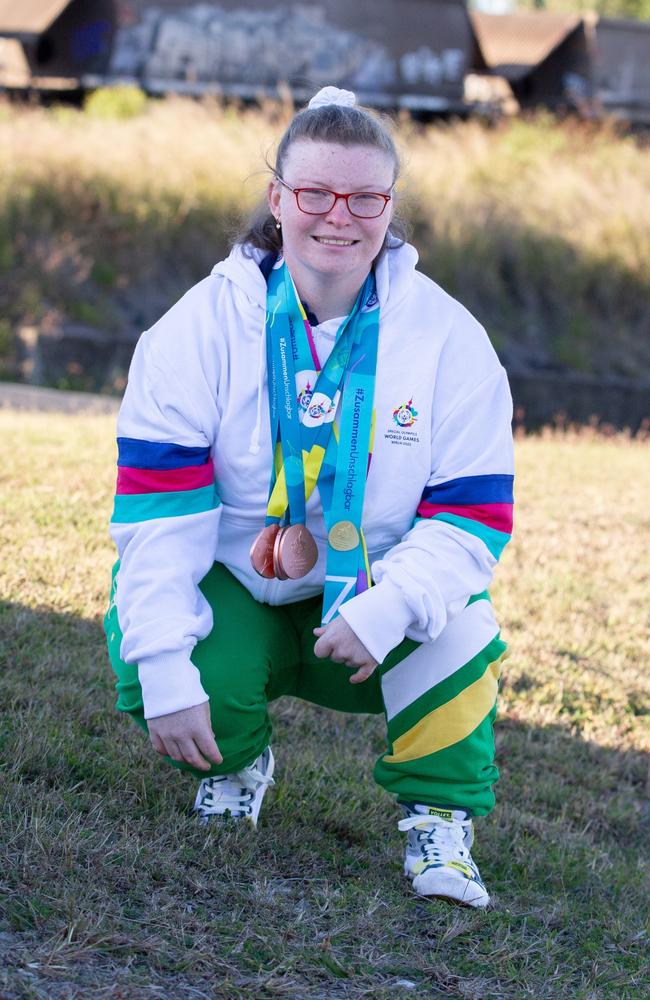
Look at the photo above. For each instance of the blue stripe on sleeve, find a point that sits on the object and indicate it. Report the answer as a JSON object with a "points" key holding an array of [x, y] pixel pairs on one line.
{"points": [[472, 489], [139, 454]]}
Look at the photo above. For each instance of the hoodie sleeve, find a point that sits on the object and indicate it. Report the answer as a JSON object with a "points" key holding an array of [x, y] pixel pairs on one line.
{"points": [[463, 520], [164, 523]]}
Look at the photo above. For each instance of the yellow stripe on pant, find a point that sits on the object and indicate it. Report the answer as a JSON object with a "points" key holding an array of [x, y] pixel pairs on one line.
{"points": [[451, 722]]}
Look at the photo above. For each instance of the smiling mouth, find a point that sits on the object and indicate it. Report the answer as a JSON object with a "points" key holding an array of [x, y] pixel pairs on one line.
{"points": [[332, 241]]}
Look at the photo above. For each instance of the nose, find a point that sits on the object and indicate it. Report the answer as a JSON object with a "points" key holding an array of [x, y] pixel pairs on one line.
{"points": [[339, 212]]}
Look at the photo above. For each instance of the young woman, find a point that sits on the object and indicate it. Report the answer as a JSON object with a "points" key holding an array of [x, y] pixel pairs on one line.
{"points": [[314, 486]]}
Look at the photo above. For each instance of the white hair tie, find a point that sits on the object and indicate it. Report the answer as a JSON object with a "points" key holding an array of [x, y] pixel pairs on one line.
{"points": [[332, 95]]}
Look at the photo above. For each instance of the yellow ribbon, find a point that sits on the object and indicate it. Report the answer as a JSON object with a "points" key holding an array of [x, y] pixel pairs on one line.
{"points": [[313, 463]]}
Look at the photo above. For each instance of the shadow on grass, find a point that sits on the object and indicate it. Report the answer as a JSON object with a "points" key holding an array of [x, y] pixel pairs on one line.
{"points": [[60, 725], [110, 888]]}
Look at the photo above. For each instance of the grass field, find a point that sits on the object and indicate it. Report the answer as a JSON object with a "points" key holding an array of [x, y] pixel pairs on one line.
{"points": [[109, 889]]}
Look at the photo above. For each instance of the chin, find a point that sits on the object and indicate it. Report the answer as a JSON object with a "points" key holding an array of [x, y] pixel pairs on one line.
{"points": [[341, 260]]}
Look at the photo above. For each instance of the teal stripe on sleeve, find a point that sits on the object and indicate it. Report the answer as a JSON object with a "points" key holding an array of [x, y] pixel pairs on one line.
{"points": [[132, 507], [496, 541], [484, 596]]}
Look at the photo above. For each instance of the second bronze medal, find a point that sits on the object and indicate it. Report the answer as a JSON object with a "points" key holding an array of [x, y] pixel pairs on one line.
{"points": [[297, 551], [261, 553], [278, 568]]}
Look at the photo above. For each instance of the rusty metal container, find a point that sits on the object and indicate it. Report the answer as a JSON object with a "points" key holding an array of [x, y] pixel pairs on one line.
{"points": [[412, 53], [52, 43]]}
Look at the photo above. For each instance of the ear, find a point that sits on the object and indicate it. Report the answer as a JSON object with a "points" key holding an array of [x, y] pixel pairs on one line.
{"points": [[273, 196]]}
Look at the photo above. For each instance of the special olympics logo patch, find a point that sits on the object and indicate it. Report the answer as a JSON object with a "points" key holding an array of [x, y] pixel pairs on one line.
{"points": [[405, 415], [317, 411]]}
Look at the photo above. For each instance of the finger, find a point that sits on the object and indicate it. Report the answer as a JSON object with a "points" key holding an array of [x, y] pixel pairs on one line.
{"points": [[336, 656], [192, 755], [361, 675], [204, 738], [157, 743], [208, 747], [320, 630], [174, 750], [323, 647]]}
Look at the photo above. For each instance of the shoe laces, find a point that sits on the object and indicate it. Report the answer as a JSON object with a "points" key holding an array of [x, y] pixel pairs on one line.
{"points": [[231, 792], [438, 839]]}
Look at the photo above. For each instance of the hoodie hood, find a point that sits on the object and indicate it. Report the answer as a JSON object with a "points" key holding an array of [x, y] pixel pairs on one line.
{"points": [[242, 269], [395, 275]]}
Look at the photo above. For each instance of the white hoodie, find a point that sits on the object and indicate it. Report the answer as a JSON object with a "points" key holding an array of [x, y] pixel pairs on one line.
{"points": [[198, 380]]}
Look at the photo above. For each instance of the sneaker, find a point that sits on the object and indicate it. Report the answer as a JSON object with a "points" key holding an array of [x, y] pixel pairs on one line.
{"points": [[238, 795], [438, 858]]}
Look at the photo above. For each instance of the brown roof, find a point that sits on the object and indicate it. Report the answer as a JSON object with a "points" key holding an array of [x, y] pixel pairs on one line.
{"points": [[28, 17], [512, 44]]}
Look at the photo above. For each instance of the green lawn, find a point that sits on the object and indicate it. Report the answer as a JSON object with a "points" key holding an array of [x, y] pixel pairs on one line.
{"points": [[108, 888]]}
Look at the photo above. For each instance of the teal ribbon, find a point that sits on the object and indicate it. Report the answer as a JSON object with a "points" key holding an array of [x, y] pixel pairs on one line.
{"points": [[350, 370]]}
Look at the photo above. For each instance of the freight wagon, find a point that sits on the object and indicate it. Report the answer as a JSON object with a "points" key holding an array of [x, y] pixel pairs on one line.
{"points": [[411, 54], [414, 54], [594, 66]]}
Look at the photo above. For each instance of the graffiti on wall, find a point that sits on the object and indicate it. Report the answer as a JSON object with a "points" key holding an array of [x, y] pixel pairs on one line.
{"points": [[204, 42], [259, 47]]}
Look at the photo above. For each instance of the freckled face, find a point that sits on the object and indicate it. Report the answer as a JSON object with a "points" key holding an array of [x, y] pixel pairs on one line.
{"points": [[337, 244]]}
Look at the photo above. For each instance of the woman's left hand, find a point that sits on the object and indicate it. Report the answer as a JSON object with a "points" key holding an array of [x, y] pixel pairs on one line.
{"points": [[338, 642]]}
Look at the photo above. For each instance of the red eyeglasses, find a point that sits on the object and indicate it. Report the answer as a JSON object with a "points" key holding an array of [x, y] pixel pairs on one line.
{"points": [[320, 201]]}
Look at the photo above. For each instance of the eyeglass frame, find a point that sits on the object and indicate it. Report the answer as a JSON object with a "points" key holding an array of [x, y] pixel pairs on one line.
{"points": [[297, 191]]}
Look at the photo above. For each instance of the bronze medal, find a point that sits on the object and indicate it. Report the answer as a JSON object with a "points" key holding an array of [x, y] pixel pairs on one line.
{"points": [[278, 568], [262, 551], [297, 551], [343, 536]]}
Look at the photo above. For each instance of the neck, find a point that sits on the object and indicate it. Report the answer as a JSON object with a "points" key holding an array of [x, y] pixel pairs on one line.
{"points": [[327, 297]]}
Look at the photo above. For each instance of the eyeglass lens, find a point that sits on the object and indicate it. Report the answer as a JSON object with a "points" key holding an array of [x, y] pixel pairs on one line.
{"points": [[319, 202]]}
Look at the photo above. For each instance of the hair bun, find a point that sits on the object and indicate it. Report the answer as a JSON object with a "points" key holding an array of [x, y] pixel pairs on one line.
{"points": [[332, 95]]}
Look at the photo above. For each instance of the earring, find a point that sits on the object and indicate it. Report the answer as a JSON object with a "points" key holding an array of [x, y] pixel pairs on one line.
{"points": [[278, 224]]}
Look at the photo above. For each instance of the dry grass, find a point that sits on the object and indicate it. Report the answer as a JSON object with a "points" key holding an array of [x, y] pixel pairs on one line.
{"points": [[542, 229], [571, 181], [110, 890], [585, 184]]}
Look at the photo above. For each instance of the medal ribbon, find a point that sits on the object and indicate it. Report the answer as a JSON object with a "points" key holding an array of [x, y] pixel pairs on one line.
{"points": [[308, 450], [301, 437], [281, 346], [347, 571]]}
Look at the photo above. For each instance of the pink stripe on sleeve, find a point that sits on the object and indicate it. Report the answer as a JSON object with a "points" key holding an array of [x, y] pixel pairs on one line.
{"points": [[493, 515], [191, 477]]}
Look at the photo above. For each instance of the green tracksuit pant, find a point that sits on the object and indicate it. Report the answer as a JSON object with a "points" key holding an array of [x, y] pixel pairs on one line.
{"points": [[439, 698]]}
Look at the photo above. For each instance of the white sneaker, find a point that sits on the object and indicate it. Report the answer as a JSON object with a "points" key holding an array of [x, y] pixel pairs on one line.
{"points": [[438, 858], [238, 795]]}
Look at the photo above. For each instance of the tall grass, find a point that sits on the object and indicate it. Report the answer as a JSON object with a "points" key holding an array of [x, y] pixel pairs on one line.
{"points": [[542, 229]]}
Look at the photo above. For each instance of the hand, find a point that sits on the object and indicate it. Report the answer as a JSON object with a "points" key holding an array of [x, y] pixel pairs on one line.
{"points": [[186, 736], [341, 644]]}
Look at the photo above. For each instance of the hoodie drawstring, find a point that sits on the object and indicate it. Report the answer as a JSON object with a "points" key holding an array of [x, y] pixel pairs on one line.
{"points": [[254, 444]]}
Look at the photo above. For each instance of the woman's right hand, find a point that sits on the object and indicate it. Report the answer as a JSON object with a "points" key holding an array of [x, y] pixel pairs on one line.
{"points": [[186, 736]]}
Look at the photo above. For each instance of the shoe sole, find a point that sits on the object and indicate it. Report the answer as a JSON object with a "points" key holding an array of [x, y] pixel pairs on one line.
{"points": [[452, 901], [470, 904]]}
